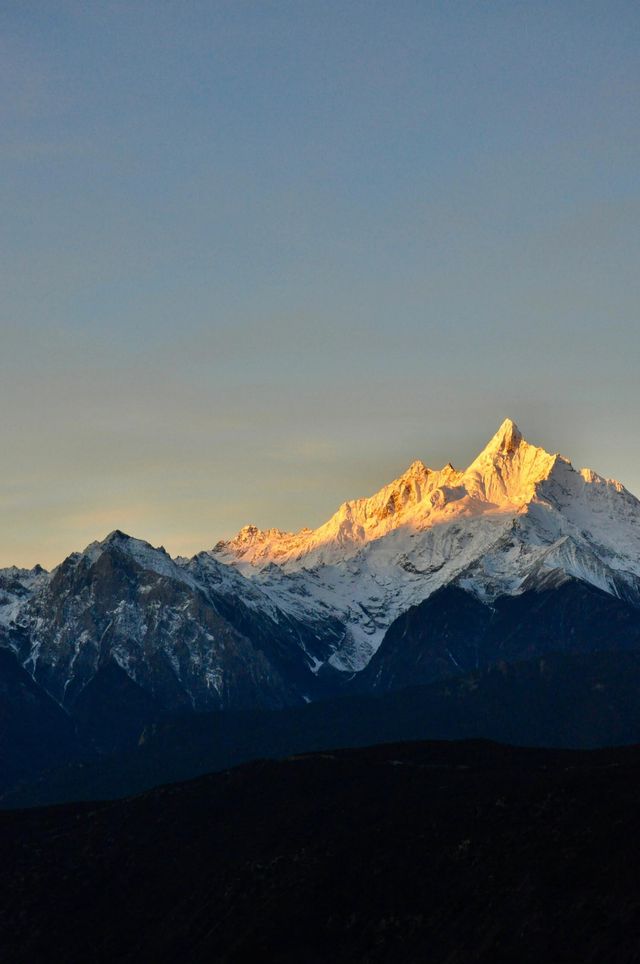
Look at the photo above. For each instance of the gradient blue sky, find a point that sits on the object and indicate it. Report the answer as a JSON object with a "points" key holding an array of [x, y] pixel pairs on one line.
{"points": [[256, 257]]}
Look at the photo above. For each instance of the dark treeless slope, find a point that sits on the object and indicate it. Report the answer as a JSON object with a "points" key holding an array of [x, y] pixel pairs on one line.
{"points": [[452, 632], [451, 853]]}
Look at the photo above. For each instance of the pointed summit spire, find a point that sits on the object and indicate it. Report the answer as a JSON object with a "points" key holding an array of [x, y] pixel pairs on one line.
{"points": [[506, 439], [505, 442], [508, 468]]}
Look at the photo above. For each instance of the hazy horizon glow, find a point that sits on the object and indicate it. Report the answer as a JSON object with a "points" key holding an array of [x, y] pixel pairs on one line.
{"points": [[257, 258]]}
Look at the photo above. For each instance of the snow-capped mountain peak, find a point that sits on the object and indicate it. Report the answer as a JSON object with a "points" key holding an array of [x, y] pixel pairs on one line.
{"points": [[507, 438], [516, 513]]}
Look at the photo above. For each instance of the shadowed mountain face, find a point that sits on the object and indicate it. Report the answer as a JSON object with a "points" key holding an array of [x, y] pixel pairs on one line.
{"points": [[585, 701], [555, 665], [107, 636], [452, 633], [441, 637], [35, 733], [459, 853], [112, 711]]}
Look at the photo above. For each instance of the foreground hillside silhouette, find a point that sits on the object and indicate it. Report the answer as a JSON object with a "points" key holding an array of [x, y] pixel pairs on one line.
{"points": [[467, 852]]}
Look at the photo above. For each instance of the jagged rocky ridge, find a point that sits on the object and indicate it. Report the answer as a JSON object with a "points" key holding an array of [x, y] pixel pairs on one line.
{"points": [[271, 618]]}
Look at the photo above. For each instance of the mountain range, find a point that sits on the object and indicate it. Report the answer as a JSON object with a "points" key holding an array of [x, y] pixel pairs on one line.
{"points": [[442, 573]]}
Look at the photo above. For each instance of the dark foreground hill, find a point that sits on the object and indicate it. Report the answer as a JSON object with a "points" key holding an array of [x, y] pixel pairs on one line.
{"points": [[563, 700], [456, 853]]}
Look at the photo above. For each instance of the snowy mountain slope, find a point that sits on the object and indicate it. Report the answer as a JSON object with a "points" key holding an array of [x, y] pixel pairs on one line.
{"points": [[123, 601], [514, 513], [16, 586]]}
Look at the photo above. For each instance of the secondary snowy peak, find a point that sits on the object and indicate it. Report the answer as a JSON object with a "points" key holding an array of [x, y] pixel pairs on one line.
{"points": [[143, 554], [361, 519], [506, 440], [356, 522]]}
